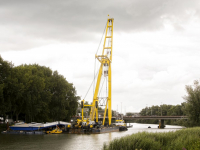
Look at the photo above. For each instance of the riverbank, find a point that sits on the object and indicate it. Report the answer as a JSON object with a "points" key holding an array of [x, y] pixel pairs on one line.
{"points": [[72, 141], [184, 139], [2, 127]]}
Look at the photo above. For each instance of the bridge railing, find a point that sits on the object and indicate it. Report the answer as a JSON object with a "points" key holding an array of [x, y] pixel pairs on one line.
{"points": [[155, 117]]}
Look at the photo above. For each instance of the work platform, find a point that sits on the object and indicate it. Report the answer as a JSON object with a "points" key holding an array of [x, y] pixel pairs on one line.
{"points": [[94, 130], [40, 128], [37, 126]]}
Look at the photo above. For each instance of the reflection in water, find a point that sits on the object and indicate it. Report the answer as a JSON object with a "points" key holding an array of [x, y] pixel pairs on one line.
{"points": [[72, 141], [110, 136]]}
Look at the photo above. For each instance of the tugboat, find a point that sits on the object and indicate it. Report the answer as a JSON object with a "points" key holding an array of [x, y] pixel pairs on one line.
{"points": [[129, 126], [121, 124], [57, 130]]}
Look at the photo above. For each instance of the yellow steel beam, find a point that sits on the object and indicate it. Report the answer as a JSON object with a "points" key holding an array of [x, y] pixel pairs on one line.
{"points": [[109, 78], [82, 109], [104, 58], [111, 39], [107, 47], [105, 112], [82, 114], [93, 109], [109, 95], [96, 114], [105, 34]]}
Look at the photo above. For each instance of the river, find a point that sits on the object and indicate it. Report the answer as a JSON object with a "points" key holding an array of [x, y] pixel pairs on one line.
{"points": [[72, 141]]}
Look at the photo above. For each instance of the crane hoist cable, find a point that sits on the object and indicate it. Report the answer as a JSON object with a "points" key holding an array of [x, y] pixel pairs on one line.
{"points": [[101, 88], [101, 38], [91, 84], [96, 54], [95, 62], [106, 87]]}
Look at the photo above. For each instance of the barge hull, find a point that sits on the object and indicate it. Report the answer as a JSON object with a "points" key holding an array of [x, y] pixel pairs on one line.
{"points": [[93, 130], [22, 132], [26, 128]]}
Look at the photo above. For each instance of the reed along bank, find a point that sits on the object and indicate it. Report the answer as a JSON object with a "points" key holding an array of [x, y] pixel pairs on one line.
{"points": [[184, 139]]}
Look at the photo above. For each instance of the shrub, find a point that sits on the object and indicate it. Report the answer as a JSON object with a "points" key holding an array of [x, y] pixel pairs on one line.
{"points": [[184, 139]]}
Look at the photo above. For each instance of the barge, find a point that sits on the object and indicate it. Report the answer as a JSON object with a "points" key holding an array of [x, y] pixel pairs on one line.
{"points": [[38, 126], [65, 127], [93, 130]]}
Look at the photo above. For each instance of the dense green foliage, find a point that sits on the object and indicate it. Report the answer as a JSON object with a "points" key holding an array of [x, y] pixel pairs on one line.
{"points": [[193, 103], [184, 139], [5, 74], [3, 127], [35, 93], [165, 110], [189, 108]]}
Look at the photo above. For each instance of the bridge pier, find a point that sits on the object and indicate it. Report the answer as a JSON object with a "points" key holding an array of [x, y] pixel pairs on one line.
{"points": [[161, 124]]}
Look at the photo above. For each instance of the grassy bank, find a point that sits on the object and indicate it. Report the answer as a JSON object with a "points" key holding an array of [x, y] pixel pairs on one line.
{"points": [[184, 139]]}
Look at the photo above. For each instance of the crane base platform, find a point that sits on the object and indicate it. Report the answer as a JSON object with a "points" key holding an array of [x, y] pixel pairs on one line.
{"points": [[94, 130]]}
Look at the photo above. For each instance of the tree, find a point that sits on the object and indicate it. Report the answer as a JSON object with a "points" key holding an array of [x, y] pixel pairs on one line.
{"points": [[193, 102], [64, 101], [35, 93], [165, 110], [16, 90], [129, 114], [5, 79]]}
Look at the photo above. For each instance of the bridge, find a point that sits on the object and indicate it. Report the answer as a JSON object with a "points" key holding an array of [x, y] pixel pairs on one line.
{"points": [[154, 117], [131, 119], [160, 118]]}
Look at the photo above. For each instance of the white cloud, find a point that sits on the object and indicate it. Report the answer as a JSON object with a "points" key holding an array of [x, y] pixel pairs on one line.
{"points": [[155, 48]]}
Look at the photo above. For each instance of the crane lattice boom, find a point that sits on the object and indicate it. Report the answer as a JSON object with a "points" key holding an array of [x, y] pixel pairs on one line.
{"points": [[105, 69]]}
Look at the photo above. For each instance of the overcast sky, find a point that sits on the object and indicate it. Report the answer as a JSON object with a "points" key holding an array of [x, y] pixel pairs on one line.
{"points": [[155, 47]]}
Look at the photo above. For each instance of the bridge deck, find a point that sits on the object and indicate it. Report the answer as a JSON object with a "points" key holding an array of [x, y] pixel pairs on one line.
{"points": [[156, 117]]}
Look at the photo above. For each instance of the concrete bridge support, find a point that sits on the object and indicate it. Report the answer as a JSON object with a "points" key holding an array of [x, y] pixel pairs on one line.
{"points": [[161, 124]]}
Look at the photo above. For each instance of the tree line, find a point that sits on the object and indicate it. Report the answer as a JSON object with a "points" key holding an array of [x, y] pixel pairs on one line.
{"points": [[35, 93], [190, 107], [164, 110]]}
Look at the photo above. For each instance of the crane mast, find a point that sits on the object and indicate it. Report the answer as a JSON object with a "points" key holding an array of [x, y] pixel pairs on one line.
{"points": [[105, 69]]}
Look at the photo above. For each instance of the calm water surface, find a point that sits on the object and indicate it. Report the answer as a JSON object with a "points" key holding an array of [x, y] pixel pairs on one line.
{"points": [[72, 141]]}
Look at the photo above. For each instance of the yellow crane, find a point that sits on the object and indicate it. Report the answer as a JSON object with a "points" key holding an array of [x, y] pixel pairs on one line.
{"points": [[105, 69]]}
